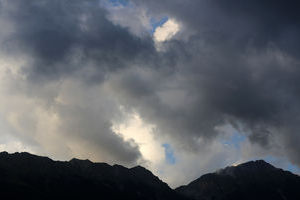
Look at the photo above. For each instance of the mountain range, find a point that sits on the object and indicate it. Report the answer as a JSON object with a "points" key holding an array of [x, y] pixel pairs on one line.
{"points": [[27, 176]]}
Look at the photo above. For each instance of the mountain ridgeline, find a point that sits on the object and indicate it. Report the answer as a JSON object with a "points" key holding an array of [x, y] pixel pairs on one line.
{"points": [[252, 180], [26, 176]]}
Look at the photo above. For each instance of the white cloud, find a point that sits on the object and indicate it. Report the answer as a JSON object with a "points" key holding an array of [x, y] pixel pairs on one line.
{"points": [[166, 31], [135, 128]]}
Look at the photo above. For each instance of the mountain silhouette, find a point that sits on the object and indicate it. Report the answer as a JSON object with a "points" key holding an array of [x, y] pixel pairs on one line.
{"points": [[252, 180], [27, 176]]}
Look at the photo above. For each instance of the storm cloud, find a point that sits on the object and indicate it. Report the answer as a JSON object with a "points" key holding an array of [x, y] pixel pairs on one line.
{"points": [[59, 40], [63, 36], [69, 66], [241, 66]]}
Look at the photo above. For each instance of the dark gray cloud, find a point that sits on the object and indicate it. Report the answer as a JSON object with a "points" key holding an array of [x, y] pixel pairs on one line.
{"points": [[255, 23], [242, 67], [63, 36]]}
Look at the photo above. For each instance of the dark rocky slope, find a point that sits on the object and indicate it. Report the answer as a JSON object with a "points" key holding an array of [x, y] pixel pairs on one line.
{"points": [[252, 180], [26, 176]]}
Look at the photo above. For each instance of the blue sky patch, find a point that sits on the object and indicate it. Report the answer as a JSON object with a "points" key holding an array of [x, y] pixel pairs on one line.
{"points": [[169, 154], [156, 23], [235, 140], [293, 168], [119, 2]]}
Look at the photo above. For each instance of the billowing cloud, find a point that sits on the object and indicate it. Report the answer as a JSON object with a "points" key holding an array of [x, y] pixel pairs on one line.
{"points": [[72, 72], [52, 56], [239, 65]]}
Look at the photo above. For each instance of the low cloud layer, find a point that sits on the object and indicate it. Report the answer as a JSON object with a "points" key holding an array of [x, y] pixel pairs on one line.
{"points": [[72, 70]]}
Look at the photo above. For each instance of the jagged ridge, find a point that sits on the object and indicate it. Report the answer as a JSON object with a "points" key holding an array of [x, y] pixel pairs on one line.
{"points": [[23, 175]]}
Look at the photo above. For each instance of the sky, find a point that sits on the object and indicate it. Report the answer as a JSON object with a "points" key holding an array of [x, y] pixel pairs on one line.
{"points": [[182, 88]]}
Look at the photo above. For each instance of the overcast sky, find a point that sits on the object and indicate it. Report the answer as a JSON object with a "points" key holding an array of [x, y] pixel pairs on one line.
{"points": [[182, 87]]}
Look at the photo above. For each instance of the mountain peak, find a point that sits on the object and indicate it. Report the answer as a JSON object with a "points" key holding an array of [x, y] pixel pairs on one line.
{"points": [[248, 167], [3, 153], [75, 160], [256, 163]]}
